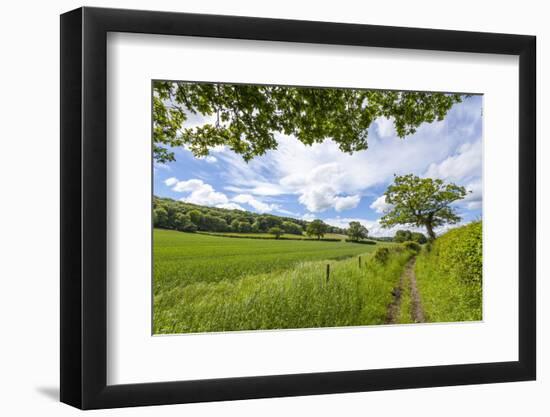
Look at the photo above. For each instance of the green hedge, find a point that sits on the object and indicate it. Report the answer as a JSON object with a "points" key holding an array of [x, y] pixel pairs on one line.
{"points": [[412, 246], [449, 275], [459, 253], [363, 242]]}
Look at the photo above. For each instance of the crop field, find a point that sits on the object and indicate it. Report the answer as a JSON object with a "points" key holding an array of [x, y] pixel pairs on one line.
{"points": [[207, 283], [184, 258]]}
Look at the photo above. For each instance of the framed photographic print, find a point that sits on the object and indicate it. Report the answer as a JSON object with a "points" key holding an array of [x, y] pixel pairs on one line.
{"points": [[257, 208]]}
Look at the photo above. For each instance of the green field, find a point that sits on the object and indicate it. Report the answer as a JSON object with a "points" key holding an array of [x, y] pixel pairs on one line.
{"points": [[208, 283], [185, 258]]}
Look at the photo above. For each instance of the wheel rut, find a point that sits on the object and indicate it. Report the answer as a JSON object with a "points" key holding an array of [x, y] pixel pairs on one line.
{"points": [[417, 312], [406, 281]]}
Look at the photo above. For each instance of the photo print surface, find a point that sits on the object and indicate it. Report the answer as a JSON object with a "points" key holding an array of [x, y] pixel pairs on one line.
{"points": [[288, 207]]}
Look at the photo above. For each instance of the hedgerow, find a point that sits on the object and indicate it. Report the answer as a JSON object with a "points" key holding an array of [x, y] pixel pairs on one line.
{"points": [[460, 253], [449, 273], [412, 246], [363, 242]]}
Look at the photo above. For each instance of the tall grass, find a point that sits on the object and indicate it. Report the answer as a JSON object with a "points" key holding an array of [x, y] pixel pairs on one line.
{"points": [[299, 297], [449, 275], [405, 311]]}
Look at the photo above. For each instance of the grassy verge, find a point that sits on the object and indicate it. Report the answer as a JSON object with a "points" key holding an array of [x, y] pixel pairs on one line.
{"points": [[299, 297], [449, 276]]}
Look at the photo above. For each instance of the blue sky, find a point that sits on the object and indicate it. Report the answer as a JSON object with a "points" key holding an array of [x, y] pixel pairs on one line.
{"points": [[320, 181]]}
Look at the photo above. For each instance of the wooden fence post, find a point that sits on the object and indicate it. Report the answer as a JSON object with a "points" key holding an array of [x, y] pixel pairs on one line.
{"points": [[359, 261], [328, 272]]}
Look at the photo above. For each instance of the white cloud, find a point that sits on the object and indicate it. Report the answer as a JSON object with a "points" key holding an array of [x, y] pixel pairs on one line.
{"points": [[170, 181], [295, 168], [322, 197], [309, 217], [310, 171], [346, 203], [210, 159], [231, 206], [206, 196], [321, 174], [321, 188], [385, 127], [307, 170], [322, 177], [258, 188], [464, 164], [199, 192], [317, 199], [253, 202], [190, 185], [380, 206], [474, 198]]}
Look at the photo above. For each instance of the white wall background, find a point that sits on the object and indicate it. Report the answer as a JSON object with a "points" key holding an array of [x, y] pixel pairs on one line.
{"points": [[29, 219]]}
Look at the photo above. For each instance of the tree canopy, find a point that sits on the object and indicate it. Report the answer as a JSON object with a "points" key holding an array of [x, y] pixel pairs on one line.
{"points": [[357, 231], [418, 238], [402, 236], [276, 231], [187, 217], [317, 228], [406, 235], [292, 228], [246, 117], [422, 202]]}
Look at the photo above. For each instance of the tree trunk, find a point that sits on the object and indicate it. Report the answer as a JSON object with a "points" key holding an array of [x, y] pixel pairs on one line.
{"points": [[429, 228]]}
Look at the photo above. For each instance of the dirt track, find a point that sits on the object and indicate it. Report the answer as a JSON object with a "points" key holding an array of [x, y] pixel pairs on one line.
{"points": [[407, 279]]}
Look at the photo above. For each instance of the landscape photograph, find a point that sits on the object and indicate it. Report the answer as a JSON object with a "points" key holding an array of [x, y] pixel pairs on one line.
{"points": [[298, 207]]}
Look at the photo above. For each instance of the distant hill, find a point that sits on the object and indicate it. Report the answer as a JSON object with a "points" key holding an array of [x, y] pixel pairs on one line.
{"points": [[187, 217]]}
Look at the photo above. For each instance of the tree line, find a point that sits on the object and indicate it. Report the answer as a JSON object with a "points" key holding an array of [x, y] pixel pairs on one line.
{"points": [[186, 217]]}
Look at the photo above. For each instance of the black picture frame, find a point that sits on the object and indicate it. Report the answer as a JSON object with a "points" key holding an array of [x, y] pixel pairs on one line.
{"points": [[84, 207]]}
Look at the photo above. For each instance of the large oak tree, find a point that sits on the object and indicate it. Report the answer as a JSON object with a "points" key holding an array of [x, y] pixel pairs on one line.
{"points": [[246, 117], [421, 202]]}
